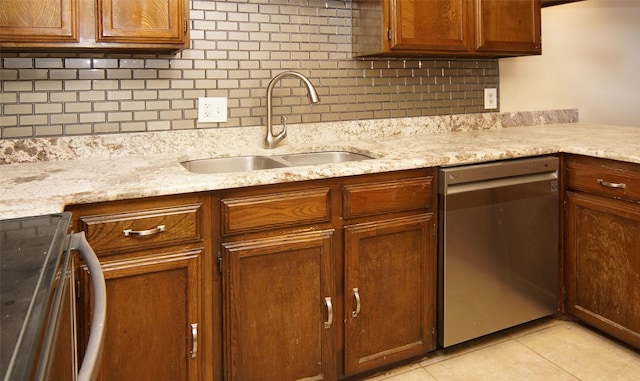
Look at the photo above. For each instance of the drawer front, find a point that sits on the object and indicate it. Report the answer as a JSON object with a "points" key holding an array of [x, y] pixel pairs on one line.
{"points": [[604, 177], [384, 197], [143, 229], [275, 210]]}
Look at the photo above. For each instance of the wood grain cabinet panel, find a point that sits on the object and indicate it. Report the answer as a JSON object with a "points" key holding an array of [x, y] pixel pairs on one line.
{"points": [[242, 214], [512, 26], [132, 26], [389, 291], [450, 28], [387, 196], [447, 26], [279, 295], [292, 255], [145, 21], [143, 229], [602, 245], [42, 20], [603, 177], [160, 287], [151, 305]]}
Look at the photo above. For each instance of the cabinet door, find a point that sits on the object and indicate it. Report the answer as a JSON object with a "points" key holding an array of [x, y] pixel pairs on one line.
{"points": [[431, 25], [390, 291], [41, 20], [603, 264], [508, 26], [153, 308], [278, 308], [141, 21]]}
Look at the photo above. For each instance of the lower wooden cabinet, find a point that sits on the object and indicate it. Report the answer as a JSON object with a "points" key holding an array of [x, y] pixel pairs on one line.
{"points": [[327, 279], [153, 317], [602, 245], [279, 302], [159, 272], [603, 264], [389, 290]]}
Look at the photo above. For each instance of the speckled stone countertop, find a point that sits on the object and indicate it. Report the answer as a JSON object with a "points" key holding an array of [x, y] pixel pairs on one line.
{"points": [[47, 186]]}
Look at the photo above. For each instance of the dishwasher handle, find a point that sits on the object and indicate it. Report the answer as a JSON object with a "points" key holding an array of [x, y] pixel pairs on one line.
{"points": [[551, 176], [90, 364]]}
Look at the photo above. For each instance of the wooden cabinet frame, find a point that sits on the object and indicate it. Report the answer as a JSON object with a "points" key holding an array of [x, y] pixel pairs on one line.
{"points": [[148, 26]]}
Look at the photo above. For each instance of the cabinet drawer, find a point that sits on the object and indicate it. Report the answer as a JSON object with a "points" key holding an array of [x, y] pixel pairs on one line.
{"points": [[388, 196], [143, 229], [275, 210], [604, 177]]}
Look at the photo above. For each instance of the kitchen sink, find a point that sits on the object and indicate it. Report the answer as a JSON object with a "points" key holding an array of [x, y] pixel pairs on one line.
{"points": [[231, 164], [313, 158], [254, 163]]}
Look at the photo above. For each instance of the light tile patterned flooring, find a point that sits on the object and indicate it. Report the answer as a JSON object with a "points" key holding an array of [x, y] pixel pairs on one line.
{"points": [[545, 350]]}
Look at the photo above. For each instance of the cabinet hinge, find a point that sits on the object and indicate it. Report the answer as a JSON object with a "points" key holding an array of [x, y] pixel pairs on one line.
{"points": [[389, 34], [185, 26], [564, 205], [219, 261]]}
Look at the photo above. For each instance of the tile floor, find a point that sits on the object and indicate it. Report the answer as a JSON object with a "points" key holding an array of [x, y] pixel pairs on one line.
{"points": [[544, 350]]}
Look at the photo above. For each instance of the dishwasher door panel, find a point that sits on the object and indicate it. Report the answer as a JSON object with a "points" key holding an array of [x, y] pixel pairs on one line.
{"points": [[498, 256]]}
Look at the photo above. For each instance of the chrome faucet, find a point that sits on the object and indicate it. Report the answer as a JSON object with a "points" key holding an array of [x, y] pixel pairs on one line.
{"points": [[272, 140]]}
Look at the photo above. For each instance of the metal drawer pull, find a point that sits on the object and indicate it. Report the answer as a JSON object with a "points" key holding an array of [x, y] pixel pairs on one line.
{"points": [[327, 301], [611, 185], [156, 230], [356, 295], [194, 340]]}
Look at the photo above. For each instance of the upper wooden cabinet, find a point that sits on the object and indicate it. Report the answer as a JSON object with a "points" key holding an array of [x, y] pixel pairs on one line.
{"points": [[447, 28], [490, 28], [38, 21], [81, 25], [508, 27]]}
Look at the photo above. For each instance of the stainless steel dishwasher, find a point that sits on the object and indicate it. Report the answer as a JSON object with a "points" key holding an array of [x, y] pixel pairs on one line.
{"points": [[498, 247]]}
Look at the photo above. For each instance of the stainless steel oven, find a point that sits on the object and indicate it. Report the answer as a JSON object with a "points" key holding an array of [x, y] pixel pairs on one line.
{"points": [[37, 293], [498, 247]]}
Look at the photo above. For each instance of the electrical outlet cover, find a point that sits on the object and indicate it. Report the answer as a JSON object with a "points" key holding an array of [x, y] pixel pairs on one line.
{"points": [[212, 109], [490, 98]]}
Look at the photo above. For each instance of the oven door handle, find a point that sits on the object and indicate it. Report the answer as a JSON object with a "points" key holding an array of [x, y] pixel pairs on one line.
{"points": [[90, 364]]}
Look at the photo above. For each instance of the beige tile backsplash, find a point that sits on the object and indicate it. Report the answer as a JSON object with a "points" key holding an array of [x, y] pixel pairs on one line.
{"points": [[237, 47]]}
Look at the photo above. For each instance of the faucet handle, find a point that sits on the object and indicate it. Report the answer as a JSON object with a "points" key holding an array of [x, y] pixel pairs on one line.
{"points": [[284, 122]]}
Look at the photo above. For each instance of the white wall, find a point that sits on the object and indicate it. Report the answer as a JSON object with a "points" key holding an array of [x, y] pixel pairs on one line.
{"points": [[590, 60]]}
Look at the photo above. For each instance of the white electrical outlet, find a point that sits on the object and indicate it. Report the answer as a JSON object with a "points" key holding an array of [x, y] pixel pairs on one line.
{"points": [[211, 110], [491, 98]]}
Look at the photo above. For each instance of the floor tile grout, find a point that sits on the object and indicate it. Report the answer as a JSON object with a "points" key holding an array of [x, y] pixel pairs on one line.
{"points": [[545, 343]]}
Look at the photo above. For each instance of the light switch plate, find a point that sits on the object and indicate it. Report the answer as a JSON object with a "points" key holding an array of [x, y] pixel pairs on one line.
{"points": [[212, 109], [490, 98]]}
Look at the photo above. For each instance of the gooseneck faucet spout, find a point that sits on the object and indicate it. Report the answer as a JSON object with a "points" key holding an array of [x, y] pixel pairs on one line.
{"points": [[272, 140]]}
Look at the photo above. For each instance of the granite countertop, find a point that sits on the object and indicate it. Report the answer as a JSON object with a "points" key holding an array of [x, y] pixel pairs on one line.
{"points": [[43, 187]]}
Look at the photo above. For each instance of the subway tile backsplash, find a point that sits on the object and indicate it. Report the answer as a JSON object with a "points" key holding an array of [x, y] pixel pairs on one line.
{"points": [[237, 46]]}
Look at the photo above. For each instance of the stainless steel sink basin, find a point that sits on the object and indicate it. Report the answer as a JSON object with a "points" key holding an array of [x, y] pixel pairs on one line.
{"points": [[232, 164], [313, 158], [254, 163]]}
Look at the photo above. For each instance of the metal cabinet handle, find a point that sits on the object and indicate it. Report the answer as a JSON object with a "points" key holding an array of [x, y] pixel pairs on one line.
{"points": [[156, 230], [356, 295], [194, 340], [327, 301], [611, 185]]}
